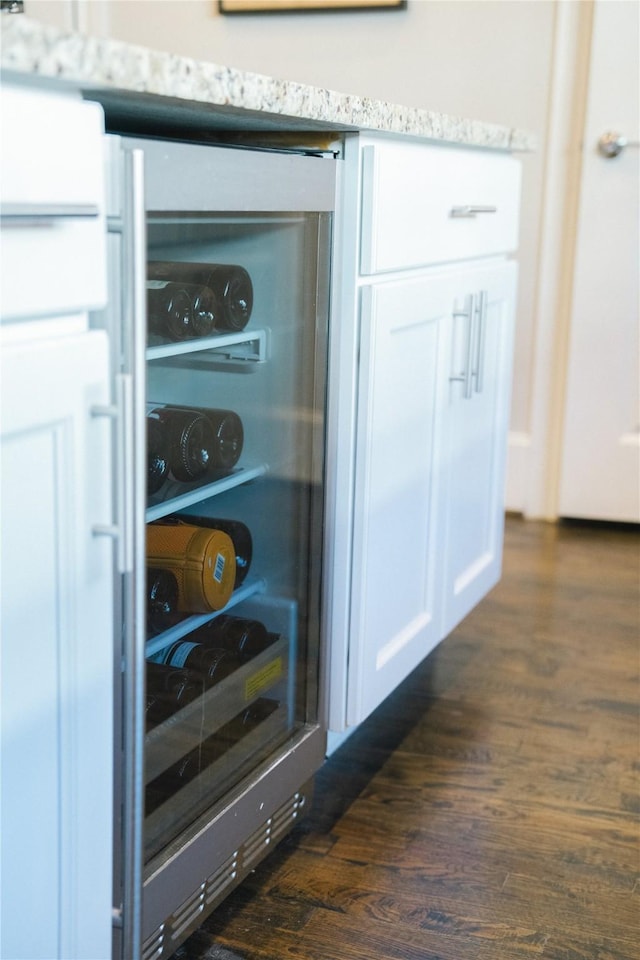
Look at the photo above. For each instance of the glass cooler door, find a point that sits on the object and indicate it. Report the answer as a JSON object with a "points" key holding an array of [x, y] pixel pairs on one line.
{"points": [[237, 314]]}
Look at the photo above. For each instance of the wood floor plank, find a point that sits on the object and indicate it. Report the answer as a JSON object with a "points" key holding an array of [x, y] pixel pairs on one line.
{"points": [[489, 809]]}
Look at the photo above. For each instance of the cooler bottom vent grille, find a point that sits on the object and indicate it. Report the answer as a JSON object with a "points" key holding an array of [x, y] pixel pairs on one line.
{"points": [[188, 913], [271, 831], [164, 941], [153, 946], [222, 878]]}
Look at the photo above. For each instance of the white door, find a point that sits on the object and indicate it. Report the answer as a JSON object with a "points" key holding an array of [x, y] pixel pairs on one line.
{"points": [[56, 656], [474, 436], [395, 564], [600, 470]]}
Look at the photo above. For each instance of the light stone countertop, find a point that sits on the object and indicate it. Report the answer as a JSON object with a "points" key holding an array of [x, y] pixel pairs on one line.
{"points": [[175, 89]]}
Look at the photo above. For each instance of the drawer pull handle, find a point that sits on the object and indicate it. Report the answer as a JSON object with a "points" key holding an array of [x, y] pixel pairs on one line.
{"points": [[45, 214], [471, 210]]}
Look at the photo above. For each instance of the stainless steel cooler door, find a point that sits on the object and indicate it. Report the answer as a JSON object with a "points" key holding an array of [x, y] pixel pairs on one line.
{"points": [[230, 735]]}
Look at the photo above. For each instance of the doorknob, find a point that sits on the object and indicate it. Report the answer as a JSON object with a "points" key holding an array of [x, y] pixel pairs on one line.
{"points": [[611, 144]]}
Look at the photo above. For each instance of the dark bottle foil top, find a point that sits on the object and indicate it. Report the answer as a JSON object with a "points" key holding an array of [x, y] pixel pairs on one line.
{"points": [[162, 599], [229, 434], [169, 311], [157, 455]]}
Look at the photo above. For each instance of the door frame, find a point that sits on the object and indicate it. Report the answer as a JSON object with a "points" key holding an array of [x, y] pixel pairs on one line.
{"points": [[534, 458]]}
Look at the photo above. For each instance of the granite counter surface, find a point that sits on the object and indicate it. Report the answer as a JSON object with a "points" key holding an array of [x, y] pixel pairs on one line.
{"points": [[220, 96]]}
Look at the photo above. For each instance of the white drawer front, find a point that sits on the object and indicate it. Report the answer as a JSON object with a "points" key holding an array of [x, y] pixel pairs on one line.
{"points": [[429, 204], [52, 202], [52, 269], [51, 149]]}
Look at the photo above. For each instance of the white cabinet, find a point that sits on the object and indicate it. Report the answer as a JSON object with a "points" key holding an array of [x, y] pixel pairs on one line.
{"points": [[57, 647], [432, 387], [475, 421], [394, 619], [56, 575]]}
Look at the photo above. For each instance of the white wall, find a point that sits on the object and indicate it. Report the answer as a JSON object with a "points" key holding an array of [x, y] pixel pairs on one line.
{"points": [[485, 59]]}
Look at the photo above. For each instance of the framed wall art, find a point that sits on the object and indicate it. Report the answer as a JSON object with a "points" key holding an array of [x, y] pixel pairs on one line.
{"points": [[306, 6]]}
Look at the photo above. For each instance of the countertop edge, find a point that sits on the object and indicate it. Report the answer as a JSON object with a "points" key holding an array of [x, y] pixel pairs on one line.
{"points": [[94, 64]]}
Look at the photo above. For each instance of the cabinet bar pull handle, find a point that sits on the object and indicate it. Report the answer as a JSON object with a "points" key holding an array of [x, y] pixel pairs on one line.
{"points": [[466, 377], [468, 372], [471, 210], [482, 334]]}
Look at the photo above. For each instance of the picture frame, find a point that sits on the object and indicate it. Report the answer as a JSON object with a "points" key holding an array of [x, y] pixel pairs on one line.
{"points": [[307, 6]]}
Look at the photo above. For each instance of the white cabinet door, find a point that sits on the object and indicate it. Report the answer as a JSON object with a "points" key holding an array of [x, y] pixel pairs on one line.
{"points": [[474, 437], [56, 648], [394, 596]]}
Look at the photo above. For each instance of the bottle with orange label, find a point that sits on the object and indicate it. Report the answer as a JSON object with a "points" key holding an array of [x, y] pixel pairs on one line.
{"points": [[237, 530], [202, 560]]}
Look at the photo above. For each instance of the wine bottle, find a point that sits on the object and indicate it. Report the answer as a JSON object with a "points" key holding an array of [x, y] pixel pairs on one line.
{"points": [[191, 441], [200, 439], [212, 664], [229, 436], [202, 561], [173, 779], [157, 455], [180, 311], [168, 690], [169, 312], [180, 683], [243, 637], [205, 311], [244, 722], [230, 283], [240, 535], [155, 711], [162, 600]]}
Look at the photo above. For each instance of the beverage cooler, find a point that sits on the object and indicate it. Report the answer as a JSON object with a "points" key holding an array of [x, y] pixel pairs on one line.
{"points": [[220, 274]]}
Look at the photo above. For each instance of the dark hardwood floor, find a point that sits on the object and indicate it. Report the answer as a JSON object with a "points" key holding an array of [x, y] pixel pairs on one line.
{"points": [[489, 809]]}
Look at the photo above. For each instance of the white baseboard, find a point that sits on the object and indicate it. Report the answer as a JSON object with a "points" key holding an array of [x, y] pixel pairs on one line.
{"points": [[518, 446]]}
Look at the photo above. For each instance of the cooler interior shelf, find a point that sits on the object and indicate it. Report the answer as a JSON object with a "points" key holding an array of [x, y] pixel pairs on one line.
{"points": [[248, 589], [186, 729], [175, 495], [248, 346]]}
